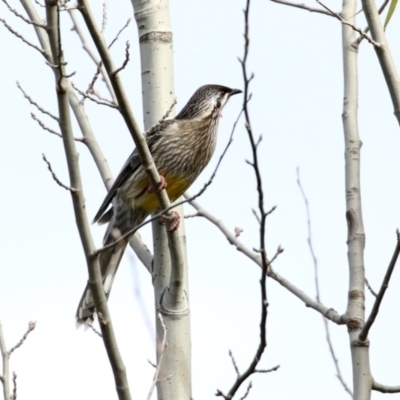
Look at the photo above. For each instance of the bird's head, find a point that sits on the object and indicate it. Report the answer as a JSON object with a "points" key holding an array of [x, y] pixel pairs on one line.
{"points": [[206, 100]]}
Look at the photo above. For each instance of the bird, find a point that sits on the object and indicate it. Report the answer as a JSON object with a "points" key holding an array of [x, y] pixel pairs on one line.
{"points": [[181, 148]]}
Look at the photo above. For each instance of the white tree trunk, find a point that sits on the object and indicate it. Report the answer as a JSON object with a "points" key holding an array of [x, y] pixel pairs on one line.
{"points": [[355, 313], [155, 38]]}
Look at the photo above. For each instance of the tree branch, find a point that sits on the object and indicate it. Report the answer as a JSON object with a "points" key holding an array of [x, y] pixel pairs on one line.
{"points": [[17, 14], [317, 291], [90, 52], [385, 284], [90, 141], [41, 109], [174, 295], [5, 376], [303, 7], [385, 388], [328, 313], [18, 35], [95, 278], [383, 53], [352, 26]]}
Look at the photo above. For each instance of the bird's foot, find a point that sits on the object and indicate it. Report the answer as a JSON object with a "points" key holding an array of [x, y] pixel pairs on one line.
{"points": [[175, 221], [160, 186]]}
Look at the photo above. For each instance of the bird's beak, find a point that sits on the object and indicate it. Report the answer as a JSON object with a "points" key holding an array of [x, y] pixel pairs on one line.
{"points": [[234, 91]]}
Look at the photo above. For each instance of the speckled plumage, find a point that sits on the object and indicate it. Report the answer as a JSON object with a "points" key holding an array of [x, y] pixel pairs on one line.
{"points": [[181, 149]]}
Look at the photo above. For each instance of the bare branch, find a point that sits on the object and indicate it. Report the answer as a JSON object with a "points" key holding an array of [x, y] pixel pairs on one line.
{"points": [[125, 63], [317, 291], [91, 53], [366, 30], [168, 112], [385, 388], [119, 32], [370, 287], [264, 263], [267, 371], [87, 96], [4, 377], [96, 331], [28, 21], [249, 386], [256, 215], [161, 356], [95, 278], [355, 28], [14, 395], [31, 327], [384, 54], [41, 109], [303, 7], [46, 128], [71, 189], [90, 141], [385, 284], [18, 35], [234, 363], [105, 16], [329, 313]]}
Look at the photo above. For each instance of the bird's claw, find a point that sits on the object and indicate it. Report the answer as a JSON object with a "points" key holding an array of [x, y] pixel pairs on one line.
{"points": [[174, 221], [160, 186]]}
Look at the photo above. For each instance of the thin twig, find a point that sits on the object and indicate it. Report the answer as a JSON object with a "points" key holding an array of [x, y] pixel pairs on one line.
{"points": [[14, 395], [267, 371], [31, 327], [5, 375], [119, 32], [105, 17], [53, 132], [91, 53], [265, 264], [87, 96], [161, 356], [366, 30], [303, 7], [317, 291], [234, 363], [71, 189], [125, 63], [46, 128], [249, 386], [41, 109], [329, 313], [370, 287], [18, 35], [28, 21], [355, 28], [96, 331], [385, 284]]}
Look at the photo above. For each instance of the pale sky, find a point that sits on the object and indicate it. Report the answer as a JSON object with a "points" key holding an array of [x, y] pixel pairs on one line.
{"points": [[297, 104]]}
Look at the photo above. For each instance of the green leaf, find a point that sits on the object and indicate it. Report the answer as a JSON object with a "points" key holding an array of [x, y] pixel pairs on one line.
{"points": [[392, 7]]}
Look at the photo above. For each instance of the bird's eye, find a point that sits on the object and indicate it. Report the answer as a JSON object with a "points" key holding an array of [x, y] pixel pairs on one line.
{"points": [[221, 94]]}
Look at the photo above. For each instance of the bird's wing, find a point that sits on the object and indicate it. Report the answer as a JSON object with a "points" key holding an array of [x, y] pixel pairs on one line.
{"points": [[130, 167]]}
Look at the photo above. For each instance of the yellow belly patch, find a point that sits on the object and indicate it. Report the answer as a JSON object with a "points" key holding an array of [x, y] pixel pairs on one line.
{"points": [[176, 186]]}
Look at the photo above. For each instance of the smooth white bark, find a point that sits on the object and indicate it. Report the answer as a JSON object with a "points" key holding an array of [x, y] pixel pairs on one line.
{"points": [[355, 314], [155, 39]]}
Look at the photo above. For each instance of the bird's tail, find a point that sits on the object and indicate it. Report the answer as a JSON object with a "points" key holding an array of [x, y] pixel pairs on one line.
{"points": [[109, 262]]}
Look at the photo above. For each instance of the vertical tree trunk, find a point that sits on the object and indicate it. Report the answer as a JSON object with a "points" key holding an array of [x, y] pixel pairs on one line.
{"points": [[355, 313], [155, 38]]}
